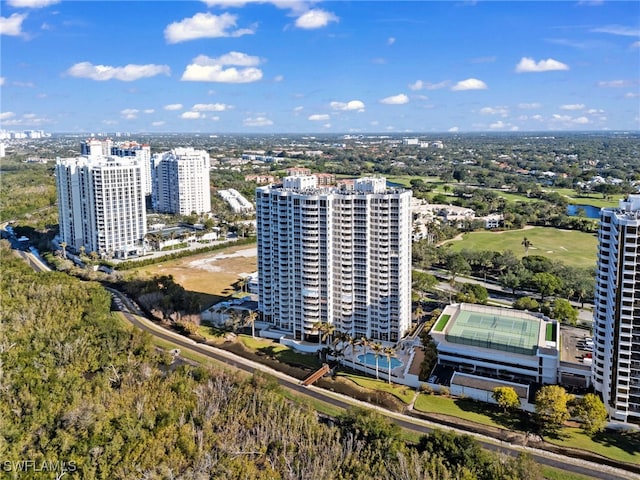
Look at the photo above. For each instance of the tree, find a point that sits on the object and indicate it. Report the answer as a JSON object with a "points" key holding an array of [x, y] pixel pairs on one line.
{"points": [[328, 331], [564, 311], [592, 412], [320, 327], [526, 243], [526, 303], [546, 284], [389, 352], [552, 407], [377, 350], [250, 319], [506, 398], [352, 342], [473, 293], [63, 246], [456, 265]]}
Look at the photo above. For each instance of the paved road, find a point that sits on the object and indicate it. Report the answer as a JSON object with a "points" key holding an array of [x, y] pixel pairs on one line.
{"points": [[128, 308], [588, 469]]}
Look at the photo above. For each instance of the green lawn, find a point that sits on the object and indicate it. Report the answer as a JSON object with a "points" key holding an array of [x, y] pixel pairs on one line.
{"points": [[571, 247], [594, 199], [281, 352], [403, 393], [551, 473], [442, 322], [449, 406], [620, 446]]}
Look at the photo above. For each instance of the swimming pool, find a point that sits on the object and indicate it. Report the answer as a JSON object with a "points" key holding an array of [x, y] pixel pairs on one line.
{"points": [[370, 359]]}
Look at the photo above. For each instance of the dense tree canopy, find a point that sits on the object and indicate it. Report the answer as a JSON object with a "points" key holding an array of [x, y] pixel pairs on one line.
{"points": [[78, 385]]}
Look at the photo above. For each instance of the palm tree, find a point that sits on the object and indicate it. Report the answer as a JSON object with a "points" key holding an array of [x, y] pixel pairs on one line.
{"points": [[352, 342], [364, 341], [63, 246], [250, 319], [389, 352], [320, 328], [526, 243], [377, 350], [418, 312], [328, 331]]}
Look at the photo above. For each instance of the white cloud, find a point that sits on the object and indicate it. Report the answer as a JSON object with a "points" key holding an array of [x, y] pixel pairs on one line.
{"points": [[614, 83], [173, 106], [391, 40], [527, 64], [469, 84], [149, 111], [257, 122], [529, 106], [204, 25], [214, 118], [32, 3], [24, 84], [210, 107], [503, 111], [572, 106], [298, 109], [6, 115], [128, 73], [500, 125], [315, 18], [318, 117], [399, 99], [350, 105], [158, 124], [454, 129], [129, 113], [618, 30], [421, 85], [326, 125], [568, 121], [631, 95], [192, 115], [2, 80], [12, 25], [278, 78], [207, 69], [595, 111]]}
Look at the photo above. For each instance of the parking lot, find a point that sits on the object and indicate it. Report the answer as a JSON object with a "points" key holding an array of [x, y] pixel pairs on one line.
{"points": [[572, 344]]}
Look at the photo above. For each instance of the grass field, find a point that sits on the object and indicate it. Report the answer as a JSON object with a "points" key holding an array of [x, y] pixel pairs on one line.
{"points": [[401, 392], [449, 406], [594, 199], [210, 275], [571, 247]]}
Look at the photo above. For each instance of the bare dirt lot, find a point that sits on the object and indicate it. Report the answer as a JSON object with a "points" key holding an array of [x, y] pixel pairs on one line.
{"points": [[211, 275]]}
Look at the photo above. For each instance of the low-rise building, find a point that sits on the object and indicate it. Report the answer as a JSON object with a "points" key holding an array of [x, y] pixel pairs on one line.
{"points": [[497, 344]]}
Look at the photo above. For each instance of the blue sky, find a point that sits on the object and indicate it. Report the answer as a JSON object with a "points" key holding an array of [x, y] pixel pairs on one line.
{"points": [[290, 66]]}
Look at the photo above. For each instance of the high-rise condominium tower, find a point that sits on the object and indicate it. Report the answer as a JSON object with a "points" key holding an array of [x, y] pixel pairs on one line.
{"points": [[181, 182], [101, 205], [335, 255], [616, 354]]}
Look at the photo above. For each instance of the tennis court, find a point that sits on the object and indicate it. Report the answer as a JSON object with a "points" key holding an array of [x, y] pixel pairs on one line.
{"points": [[488, 330]]}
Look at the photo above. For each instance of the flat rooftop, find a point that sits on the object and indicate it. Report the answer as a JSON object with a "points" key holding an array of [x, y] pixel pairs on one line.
{"points": [[493, 328]]}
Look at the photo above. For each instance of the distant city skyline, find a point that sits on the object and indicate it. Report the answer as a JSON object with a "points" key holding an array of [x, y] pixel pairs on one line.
{"points": [[292, 66]]}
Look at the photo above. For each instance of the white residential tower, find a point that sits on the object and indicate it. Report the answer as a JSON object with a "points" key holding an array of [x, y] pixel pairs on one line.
{"points": [[337, 256], [181, 182], [616, 354], [101, 205]]}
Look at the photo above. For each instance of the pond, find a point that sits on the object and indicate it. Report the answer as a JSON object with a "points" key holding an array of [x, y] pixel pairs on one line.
{"points": [[589, 210]]}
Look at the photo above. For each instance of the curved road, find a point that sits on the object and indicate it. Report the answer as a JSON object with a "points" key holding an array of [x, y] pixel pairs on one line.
{"points": [[124, 304], [589, 469]]}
